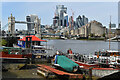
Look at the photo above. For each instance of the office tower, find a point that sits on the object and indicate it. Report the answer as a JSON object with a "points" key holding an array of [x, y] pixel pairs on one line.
{"points": [[31, 18], [61, 16], [80, 21], [119, 14]]}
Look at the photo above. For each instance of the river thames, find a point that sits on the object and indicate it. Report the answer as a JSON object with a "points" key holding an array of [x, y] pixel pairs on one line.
{"points": [[82, 46]]}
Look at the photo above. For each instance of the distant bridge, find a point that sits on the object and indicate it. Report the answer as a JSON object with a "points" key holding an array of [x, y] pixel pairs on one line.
{"points": [[11, 25], [22, 22], [46, 34], [25, 22]]}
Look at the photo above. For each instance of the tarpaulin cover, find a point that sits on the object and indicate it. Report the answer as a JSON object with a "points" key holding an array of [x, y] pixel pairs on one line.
{"points": [[66, 63]]}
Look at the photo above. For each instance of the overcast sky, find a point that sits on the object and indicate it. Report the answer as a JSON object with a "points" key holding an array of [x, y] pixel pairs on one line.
{"points": [[99, 11]]}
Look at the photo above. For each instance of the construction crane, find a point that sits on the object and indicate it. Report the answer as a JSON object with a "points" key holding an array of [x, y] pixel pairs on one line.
{"points": [[72, 18]]}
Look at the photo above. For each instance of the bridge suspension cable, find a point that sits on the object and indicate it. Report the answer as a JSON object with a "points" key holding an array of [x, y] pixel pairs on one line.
{"points": [[5, 26]]}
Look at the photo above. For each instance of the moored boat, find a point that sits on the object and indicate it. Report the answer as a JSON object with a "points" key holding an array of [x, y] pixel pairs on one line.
{"points": [[109, 57], [66, 64], [13, 55]]}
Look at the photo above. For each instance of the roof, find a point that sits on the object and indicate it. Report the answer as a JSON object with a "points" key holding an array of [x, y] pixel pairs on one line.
{"points": [[9, 47], [34, 38], [112, 51]]}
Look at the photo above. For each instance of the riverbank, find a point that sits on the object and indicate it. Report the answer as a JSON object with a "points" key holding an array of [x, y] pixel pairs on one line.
{"points": [[25, 72], [99, 39], [53, 38], [29, 72]]}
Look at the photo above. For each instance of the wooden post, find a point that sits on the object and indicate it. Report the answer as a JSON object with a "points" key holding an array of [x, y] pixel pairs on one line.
{"points": [[109, 32], [90, 73]]}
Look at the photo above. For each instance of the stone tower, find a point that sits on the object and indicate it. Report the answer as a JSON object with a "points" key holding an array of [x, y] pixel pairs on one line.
{"points": [[11, 25]]}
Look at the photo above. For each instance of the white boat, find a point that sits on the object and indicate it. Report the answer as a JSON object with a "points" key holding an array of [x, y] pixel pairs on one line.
{"points": [[109, 57]]}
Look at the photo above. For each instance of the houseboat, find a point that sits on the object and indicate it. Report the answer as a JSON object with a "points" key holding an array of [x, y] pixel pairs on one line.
{"points": [[109, 58], [27, 47], [14, 55]]}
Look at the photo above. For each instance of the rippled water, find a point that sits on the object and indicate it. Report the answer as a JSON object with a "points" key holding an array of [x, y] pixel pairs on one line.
{"points": [[82, 46]]}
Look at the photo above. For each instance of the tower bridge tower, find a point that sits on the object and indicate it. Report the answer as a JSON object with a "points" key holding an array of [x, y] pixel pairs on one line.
{"points": [[11, 25]]}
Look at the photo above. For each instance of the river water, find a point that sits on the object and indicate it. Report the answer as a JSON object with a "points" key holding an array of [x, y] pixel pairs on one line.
{"points": [[82, 46]]}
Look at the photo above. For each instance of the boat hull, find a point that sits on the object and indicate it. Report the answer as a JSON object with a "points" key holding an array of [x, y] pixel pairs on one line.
{"points": [[96, 70], [86, 65], [14, 58], [101, 72]]}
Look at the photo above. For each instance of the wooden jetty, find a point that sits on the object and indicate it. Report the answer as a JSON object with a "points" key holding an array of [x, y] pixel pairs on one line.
{"points": [[46, 70]]}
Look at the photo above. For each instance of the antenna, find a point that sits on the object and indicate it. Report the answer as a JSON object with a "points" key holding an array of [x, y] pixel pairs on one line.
{"points": [[109, 31]]}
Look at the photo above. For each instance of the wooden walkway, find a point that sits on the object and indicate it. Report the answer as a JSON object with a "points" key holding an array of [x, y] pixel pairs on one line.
{"points": [[61, 73]]}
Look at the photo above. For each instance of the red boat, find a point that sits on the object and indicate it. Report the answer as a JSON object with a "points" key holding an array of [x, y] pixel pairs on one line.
{"points": [[85, 65], [11, 54]]}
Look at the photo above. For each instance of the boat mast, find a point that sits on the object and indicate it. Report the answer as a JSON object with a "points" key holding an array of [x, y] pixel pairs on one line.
{"points": [[109, 32]]}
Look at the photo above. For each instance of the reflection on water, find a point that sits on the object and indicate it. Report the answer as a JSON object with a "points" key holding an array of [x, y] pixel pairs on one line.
{"points": [[119, 46], [83, 47]]}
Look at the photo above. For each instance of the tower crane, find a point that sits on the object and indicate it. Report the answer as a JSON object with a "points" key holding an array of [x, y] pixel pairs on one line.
{"points": [[72, 18]]}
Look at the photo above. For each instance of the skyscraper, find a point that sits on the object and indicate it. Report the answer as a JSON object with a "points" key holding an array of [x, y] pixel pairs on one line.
{"points": [[80, 21], [30, 18], [0, 29], [119, 14], [61, 16]]}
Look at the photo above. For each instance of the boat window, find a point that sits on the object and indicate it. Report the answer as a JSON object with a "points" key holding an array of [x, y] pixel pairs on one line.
{"points": [[102, 54], [108, 54], [99, 54], [95, 53], [113, 53], [105, 54], [116, 53], [119, 53]]}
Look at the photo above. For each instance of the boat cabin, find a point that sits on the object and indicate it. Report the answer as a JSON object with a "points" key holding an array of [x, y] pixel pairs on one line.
{"points": [[107, 53]]}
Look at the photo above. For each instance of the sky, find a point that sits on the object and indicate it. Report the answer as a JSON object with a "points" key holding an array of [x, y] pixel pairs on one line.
{"points": [[99, 11]]}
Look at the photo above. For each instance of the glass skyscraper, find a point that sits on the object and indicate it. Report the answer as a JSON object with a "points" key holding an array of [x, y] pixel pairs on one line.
{"points": [[61, 16]]}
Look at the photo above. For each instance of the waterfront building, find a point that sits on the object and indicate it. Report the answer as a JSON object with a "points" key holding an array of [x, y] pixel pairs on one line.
{"points": [[113, 30], [61, 16], [96, 28], [93, 29], [118, 29], [74, 32], [83, 31]]}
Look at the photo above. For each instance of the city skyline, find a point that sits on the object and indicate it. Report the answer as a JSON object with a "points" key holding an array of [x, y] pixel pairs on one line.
{"points": [[99, 11]]}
